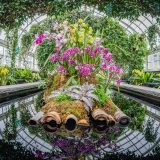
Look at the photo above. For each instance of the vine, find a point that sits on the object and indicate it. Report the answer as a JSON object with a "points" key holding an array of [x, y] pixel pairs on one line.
{"points": [[152, 35], [14, 13], [12, 43]]}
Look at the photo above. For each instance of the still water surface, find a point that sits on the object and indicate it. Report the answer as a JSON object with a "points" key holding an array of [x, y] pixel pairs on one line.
{"points": [[140, 138]]}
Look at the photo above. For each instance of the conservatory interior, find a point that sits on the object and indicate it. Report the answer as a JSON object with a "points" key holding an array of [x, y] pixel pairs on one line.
{"points": [[79, 80]]}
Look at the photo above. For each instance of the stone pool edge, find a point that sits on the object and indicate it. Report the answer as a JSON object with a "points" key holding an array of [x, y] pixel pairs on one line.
{"points": [[148, 94], [12, 91]]}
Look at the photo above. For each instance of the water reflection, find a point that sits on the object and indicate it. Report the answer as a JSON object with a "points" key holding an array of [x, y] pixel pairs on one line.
{"points": [[140, 138]]}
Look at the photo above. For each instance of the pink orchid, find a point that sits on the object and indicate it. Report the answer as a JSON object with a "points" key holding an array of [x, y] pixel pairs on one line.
{"points": [[54, 58], [107, 57], [85, 69], [87, 49], [104, 66], [92, 54], [118, 70], [61, 69], [118, 81], [71, 61], [38, 41], [112, 67], [69, 52], [41, 36], [105, 51]]}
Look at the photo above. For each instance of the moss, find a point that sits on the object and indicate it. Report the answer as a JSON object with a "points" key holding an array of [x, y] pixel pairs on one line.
{"points": [[62, 97], [59, 80], [112, 107], [109, 107], [67, 107]]}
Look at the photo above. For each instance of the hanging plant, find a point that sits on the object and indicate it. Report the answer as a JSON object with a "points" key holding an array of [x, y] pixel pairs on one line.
{"points": [[152, 35], [150, 132], [14, 13], [12, 43]]}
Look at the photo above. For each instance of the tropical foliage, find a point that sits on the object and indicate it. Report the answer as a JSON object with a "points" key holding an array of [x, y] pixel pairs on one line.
{"points": [[13, 76], [141, 77], [14, 13]]}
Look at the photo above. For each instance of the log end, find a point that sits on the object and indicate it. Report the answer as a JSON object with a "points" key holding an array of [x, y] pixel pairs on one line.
{"points": [[71, 122]]}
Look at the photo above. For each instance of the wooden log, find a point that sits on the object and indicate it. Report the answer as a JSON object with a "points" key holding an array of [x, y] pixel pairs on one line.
{"points": [[118, 115], [100, 120], [83, 123], [71, 122], [36, 118], [67, 108], [51, 116], [112, 121], [99, 114], [47, 127], [122, 118], [51, 121]]}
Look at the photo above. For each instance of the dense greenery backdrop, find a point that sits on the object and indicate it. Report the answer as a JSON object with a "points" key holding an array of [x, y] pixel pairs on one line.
{"points": [[128, 50], [14, 13]]}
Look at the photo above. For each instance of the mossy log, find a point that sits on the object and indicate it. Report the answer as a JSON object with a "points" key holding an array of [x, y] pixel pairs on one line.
{"points": [[70, 113], [111, 113], [36, 118]]}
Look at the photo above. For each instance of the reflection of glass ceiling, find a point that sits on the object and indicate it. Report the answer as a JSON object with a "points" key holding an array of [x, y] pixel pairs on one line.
{"points": [[130, 141]]}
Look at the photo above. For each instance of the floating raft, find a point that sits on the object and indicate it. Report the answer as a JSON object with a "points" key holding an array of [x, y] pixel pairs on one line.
{"points": [[81, 111]]}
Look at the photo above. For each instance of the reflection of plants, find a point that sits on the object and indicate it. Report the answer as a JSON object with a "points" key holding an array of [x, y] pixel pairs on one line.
{"points": [[15, 151], [10, 130], [133, 109], [150, 132], [38, 102], [39, 132], [24, 116], [115, 133], [34, 129], [73, 148], [132, 155]]}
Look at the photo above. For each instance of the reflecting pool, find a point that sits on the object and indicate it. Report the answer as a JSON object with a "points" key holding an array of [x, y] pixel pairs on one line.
{"points": [[18, 140]]}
